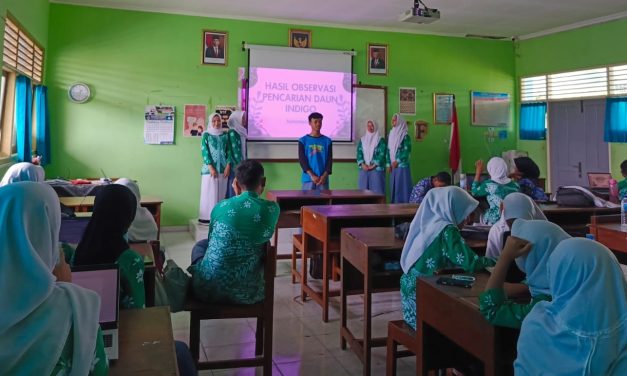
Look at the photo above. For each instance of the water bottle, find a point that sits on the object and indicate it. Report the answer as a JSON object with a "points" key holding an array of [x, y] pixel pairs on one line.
{"points": [[623, 212], [462, 181], [613, 188]]}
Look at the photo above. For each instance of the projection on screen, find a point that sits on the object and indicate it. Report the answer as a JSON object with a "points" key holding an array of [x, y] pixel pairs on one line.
{"points": [[279, 101]]}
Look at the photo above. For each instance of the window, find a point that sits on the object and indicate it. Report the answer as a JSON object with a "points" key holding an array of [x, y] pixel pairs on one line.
{"points": [[578, 84], [618, 80], [533, 89], [21, 52]]}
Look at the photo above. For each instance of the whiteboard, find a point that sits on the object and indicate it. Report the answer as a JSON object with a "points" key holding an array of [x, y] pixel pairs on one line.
{"points": [[370, 104]]}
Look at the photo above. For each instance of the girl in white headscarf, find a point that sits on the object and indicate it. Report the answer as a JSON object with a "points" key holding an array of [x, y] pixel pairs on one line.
{"points": [[530, 245], [583, 330], [434, 242], [372, 159], [237, 142], [399, 146], [23, 171], [144, 226], [494, 189], [216, 167], [515, 205], [47, 327]]}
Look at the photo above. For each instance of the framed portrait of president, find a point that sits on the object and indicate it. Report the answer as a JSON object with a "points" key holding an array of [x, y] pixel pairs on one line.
{"points": [[378, 59], [214, 47]]}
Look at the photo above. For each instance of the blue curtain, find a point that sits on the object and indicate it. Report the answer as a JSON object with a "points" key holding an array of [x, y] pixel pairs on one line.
{"points": [[616, 120], [43, 124], [533, 121], [23, 117]]}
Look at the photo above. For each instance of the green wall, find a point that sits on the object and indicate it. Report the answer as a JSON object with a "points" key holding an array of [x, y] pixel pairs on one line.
{"points": [[131, 59], [588, 47], [33, 16]]}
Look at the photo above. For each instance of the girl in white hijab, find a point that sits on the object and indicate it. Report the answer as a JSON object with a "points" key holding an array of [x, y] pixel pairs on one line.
{"points": [[237, 142], [372, 159], [434, 242], [23, 171], [515, 205], [46, 327], [494, 189], [144, 226], [216, 167], [530, 245], [399, 146], [583, 330]]}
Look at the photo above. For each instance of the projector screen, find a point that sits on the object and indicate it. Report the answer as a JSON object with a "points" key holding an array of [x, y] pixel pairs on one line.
{"points": [[285, 85]]}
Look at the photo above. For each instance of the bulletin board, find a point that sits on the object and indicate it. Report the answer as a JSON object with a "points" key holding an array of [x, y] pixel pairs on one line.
{"points": [[370, 104], [490, 109]]}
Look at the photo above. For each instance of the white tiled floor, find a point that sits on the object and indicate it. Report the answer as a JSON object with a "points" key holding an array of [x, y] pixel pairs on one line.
{"points": [[303, 344]]}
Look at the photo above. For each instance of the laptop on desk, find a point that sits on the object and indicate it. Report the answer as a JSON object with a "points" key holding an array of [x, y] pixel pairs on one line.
{"points": [[105, 281]]}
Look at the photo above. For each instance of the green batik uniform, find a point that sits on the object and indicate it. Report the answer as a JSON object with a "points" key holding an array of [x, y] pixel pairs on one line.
{"points": [[403, 152], [132, 292], [232, 269], [498, 310], [235, 145], [215, 152], [381, 156], [447, 250], [494, 193], [622, 189], [99, 366]]}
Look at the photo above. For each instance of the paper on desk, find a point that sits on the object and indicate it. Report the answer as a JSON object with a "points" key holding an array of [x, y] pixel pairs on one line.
{"points": [[159, 125]]}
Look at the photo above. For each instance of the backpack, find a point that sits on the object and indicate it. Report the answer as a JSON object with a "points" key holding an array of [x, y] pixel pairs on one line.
{"points": [[573, 197]]}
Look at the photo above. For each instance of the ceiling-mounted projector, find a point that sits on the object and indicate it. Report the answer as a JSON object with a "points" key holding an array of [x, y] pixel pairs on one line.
{"points": [[420, 15]]}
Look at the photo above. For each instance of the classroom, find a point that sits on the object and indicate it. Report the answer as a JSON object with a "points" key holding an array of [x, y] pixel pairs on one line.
{"points": [[475, 167]]}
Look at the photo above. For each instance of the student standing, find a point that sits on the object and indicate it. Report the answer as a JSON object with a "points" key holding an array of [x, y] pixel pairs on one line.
{"points": [[104, 242], [237, 144], [144, 227], [399, 145], [418, 193], [530, 246], [434, 242], [372, 159], [315, 154], [583, 330], [494, 189], [216, 167], [48, 326]]}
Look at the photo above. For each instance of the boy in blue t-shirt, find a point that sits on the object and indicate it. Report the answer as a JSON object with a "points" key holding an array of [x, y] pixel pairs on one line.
{"points": [[315, 154]]}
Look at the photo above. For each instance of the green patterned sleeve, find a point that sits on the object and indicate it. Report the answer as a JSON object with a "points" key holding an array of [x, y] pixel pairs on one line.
{"points": [[360, 154], [498, 310], [100, 365], [404, 150], [478, 189], [226, 145], [386, 153], [236, 147], [132, 280], [206, 153], [460, 254]]}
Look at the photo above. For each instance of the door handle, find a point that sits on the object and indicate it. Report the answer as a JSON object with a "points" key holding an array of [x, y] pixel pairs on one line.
{"points": [[579, 167]]}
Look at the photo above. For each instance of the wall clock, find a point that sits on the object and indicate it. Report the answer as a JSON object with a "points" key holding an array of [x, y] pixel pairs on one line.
{"points": [[79, 93]]}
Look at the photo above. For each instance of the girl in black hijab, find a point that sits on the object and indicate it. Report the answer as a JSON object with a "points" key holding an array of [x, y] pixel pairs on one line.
{"points": [[527, 174], [104, 242]]}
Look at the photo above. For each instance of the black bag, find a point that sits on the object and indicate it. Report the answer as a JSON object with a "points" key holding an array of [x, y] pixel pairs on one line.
{"points": [[573, 197], [315, 266]]}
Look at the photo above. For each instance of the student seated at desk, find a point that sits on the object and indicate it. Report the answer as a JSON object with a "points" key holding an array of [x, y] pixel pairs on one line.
{"points": [[441, 179], [515, 205], [622, 185], [144, 227], [104, 242], [583, 330], [530, 245], [228, 266], [48, 325], [526, 175], [494, 189], [434, 242], [23, 171]]}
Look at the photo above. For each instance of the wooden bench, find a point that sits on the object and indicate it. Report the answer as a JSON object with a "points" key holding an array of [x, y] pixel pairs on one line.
{"points": [[399, 333]]}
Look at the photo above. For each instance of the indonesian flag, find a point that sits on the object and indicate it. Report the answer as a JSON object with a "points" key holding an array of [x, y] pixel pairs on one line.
{"points": [[454, 157]]}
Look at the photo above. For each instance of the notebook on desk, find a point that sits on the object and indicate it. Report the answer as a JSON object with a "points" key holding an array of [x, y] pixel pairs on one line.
{"points": [[105, 281]]}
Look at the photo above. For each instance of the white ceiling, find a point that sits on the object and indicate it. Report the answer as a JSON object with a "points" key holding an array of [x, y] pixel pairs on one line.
{"points": [[459, 17]]}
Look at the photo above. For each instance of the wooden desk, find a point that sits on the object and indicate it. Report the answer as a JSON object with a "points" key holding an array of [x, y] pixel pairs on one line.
{"points": [[321, 233], [574, 220], [360, 277], [146, 343], [449, 326], [86, 204], [608, 231], [290, 203]]}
